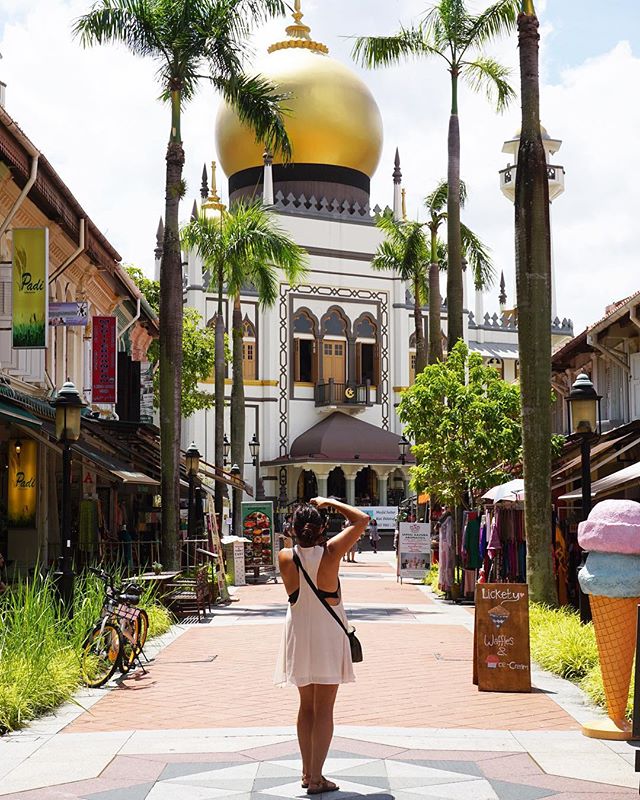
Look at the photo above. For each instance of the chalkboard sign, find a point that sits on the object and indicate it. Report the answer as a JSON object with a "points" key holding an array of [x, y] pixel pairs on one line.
{"points": [[502, 659]]}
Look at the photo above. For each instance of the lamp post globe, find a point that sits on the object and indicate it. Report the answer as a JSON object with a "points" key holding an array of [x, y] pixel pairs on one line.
{"points": [[254, 448], [403, 445], [192, 457]]}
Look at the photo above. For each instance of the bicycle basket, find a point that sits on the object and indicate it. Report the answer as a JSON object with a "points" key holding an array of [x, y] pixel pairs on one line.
{"points": [[126, 612]]}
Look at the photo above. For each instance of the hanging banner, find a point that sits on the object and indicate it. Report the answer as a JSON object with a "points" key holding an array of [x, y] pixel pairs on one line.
{"points": [[22, 487], [68, 313], [30, 288], [385, 516], [105, 360], [146, 391], [414, 549], [89, 481]]}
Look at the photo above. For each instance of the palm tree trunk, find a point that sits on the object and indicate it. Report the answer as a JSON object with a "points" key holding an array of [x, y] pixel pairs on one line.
{"points": [[435, 304], [171, 345], [533, 279], [237, 409], [454, 269], [219, 394], [421, 353]]}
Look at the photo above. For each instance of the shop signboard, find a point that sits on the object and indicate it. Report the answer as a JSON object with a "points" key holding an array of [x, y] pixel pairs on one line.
{"points": [[68, 314], [89, 481], [22, 485], [257, 526], [30, 288], [105, 360], [502, 661], [385, 516], [146, 391], [414, 549]]}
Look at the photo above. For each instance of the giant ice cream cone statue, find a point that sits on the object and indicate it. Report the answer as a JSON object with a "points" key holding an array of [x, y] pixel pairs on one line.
{"points": [[611, 578]]}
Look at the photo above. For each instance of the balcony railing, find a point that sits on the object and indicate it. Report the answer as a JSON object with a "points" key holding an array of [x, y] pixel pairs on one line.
{"points": [[343, 394]]}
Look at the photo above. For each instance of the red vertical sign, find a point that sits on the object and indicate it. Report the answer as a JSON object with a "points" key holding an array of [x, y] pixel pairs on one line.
{"points": [[105, 359]]}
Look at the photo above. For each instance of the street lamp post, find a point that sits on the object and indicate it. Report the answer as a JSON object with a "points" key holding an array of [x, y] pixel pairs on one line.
{"points": [[583, 405], [192, 457], [68, 405], [403, 445], [254, 449], [226, 449], [235, 474]]}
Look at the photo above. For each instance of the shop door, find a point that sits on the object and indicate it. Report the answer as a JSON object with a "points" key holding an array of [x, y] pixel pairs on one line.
{"points": [[333, 361], [635, 386]]}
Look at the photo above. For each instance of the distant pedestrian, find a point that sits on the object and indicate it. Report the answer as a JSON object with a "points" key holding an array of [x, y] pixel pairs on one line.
{"points": [[374, 535], [315, 654]]}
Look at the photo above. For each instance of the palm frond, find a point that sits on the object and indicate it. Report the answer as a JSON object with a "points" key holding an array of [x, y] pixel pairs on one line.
{"points": [[497, 19], [131, 22], [261, 10], [385, 51], [386, 258], [437, 200], [488, 75], [259, 105], [478, 258]]}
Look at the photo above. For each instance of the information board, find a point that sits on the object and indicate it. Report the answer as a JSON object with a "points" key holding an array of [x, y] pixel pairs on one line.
{"points": [[385, 516], [414, 549], [257, 526], [502, 659]]}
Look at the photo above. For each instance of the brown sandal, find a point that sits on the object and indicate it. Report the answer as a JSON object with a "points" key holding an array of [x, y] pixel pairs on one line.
{"points": [[322, 786]]}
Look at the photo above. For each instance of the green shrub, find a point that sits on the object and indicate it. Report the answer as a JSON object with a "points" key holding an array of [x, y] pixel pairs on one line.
{"points": [[560, 643], [431, 577]]}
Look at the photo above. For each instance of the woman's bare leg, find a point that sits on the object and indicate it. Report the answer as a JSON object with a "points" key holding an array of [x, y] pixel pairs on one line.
{"points": [[305, 726], [325, 698]]}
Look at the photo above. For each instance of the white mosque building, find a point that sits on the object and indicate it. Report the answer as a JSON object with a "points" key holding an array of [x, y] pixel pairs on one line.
{"points": [[325, 367]]}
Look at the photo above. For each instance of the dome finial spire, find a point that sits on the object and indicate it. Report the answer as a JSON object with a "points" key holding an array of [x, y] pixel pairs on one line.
{"points": [[299, 34], [213, 201]]}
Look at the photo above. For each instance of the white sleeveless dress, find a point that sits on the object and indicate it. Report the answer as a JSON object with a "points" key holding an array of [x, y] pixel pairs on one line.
{"points": [[314, 648]]}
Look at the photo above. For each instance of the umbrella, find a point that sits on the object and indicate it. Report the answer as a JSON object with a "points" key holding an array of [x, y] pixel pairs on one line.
{"points": [[512, 491]]}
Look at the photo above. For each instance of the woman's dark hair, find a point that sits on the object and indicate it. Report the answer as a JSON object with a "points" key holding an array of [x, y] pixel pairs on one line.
{"points": [[308, 524]]}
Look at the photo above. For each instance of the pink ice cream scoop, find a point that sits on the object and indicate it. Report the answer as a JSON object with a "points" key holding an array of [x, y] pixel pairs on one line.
{"points": [[613, 527]]}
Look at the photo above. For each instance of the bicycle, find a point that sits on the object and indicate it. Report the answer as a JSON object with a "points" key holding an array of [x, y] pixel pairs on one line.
{"points": [[116, 640]]}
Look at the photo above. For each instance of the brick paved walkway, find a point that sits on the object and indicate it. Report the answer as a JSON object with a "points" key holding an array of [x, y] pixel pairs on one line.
{"points": [[207, 722]]}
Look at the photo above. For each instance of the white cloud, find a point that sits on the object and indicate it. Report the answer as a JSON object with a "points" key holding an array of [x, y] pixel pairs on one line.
{"points": [[95, 115]]}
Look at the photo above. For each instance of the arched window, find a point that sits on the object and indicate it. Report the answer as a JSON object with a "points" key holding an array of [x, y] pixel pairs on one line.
{"points": [[497, 364], [334, 327], [305, 356], [367, 350], [337, 484], [249, 350]]}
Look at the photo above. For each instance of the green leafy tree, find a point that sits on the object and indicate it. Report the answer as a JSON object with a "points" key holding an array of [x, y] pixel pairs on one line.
{"points": [[473, 250], [190, 41], [533, 282], [467, 425], [455, 35], [198, 351], [251, 248], [405, 250]]}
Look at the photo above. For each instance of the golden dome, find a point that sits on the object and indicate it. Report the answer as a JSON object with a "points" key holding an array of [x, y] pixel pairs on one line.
{"points": [[332, 118]]}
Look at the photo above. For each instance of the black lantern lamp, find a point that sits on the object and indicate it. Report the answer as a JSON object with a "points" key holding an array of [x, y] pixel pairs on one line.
{"points": [[226, 448], [68, 405], [235, 472], [404, 444], [192, 458], [254, 448], [583, 405]]}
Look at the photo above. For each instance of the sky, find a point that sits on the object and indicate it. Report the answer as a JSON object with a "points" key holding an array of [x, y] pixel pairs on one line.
{"points": [[96, 116]]}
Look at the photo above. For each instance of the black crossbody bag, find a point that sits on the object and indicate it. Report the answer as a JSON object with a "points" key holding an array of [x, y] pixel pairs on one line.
{"points": [[354, 642]]}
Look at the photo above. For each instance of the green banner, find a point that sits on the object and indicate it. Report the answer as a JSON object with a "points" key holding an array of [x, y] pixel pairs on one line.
{"points": [[30, 288]]}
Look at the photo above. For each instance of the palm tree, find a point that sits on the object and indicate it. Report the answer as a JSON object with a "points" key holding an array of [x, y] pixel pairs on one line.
{"points": [[249, 247], [406, 250], [533, 280], [186, 38], [474, 252], [451, 32]]}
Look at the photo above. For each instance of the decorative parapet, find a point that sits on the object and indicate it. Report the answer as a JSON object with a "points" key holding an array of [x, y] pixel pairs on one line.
{"points": [[508, 321], [329, 209]]}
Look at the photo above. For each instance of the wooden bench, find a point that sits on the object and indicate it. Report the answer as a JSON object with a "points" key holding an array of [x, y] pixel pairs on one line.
{"points": [[188, 596]]}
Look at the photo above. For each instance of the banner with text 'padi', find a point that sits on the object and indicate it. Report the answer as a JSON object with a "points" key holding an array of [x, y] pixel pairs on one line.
{"points": [[105, 360], [22, 483], [30, 291]]}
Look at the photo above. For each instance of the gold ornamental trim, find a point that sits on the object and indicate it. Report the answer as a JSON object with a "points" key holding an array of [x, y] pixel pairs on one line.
{"points": [[303, 44], [299, 35]]}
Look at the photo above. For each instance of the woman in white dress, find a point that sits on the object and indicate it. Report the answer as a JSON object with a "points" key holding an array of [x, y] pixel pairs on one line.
{"points": [[315, 655]]}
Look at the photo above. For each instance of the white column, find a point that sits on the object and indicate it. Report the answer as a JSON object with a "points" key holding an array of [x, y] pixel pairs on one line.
{"points": [[382, 490], [267, 186]]}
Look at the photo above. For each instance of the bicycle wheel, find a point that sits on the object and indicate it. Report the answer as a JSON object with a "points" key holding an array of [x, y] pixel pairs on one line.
{"points": [[129, 631], [101, 654], [142, 624]]}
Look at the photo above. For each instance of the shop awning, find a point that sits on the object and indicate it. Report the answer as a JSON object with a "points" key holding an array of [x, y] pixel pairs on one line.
{"points": [[615, 482], [15, 414], [137, 478]]}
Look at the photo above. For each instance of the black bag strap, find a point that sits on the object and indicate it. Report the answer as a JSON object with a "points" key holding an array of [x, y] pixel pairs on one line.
{"points": [[298, 563]]}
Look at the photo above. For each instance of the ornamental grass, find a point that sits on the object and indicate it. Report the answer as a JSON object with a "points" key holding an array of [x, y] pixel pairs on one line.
{"points": [[40, 648]]}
